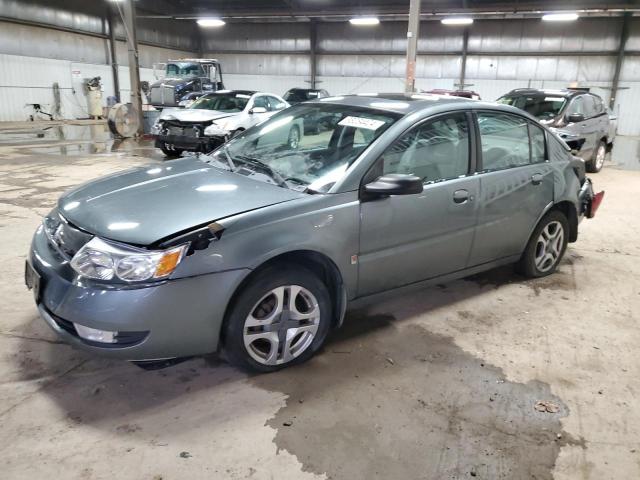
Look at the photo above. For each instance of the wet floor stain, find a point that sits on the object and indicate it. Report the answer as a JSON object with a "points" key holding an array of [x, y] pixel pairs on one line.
{"points": [[387, 400]]}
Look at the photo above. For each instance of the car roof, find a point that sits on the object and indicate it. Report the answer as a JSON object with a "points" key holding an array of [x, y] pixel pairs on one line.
{"points": [[397, 102], [243, 92], [564, 92]]}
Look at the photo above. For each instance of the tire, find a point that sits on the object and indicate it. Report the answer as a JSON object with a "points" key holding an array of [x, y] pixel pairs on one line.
{"points": [[255, 328], [544, 252], [171, 153], [293, 139], [597, 159]]}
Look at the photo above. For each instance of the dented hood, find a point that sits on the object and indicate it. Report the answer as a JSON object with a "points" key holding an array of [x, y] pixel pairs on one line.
{"points": [[144, 205]]}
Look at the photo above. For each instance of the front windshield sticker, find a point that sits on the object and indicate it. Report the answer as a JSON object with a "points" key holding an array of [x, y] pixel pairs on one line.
{"points": [[359, 122]]}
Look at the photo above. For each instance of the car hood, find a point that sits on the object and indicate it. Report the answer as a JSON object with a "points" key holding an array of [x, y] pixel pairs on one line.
{"points": [[147, 204], [195, 115]]}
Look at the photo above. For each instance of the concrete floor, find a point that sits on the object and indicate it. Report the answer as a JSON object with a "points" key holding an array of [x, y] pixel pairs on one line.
{"points": [[432, 383]]}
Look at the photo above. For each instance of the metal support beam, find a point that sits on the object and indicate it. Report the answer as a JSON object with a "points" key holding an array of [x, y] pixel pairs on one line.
{"points": [[412, 45], [129, 19], [113, 54], [313, 47], [624, 36], [463, 63]]}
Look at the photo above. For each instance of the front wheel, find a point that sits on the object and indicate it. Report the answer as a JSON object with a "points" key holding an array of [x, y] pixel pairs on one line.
{"points": [[597, 161], [546, 246], [280, 318]]}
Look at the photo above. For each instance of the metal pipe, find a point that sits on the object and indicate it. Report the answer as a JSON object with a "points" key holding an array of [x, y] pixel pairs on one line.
{"points": [[624, 36], [134, 67], [113, 54], [463, 63], [412, 45], [313, 46]]}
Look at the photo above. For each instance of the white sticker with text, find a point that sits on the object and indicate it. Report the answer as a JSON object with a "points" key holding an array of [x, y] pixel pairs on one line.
{"points": [[359, 122]]}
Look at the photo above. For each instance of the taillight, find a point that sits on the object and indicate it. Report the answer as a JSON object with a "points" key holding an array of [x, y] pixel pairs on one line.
{"points": [[595, 204]]}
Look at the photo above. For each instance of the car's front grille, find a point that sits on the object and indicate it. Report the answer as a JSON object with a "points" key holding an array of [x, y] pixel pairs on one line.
{"points": [[184, 129]]}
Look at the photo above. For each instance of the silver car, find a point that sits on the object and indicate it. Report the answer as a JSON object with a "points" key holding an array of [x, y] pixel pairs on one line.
{"points": [[258, 248]]}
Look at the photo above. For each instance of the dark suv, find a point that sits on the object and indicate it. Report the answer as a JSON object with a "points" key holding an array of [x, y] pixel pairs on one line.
{"points": [[580, 118]]}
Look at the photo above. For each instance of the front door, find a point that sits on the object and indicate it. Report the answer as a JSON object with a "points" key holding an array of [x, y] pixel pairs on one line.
{"points": [[516, 185], [406, 239]]}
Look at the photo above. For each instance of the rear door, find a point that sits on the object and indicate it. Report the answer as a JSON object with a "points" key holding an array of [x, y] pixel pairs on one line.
{"points": [[408, 238], [516, 184]]}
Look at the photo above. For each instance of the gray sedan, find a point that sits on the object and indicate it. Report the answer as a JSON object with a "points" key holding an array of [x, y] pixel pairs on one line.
{"points": [[258, 248]]}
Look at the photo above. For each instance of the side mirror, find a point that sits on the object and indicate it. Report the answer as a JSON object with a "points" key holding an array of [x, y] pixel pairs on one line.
{"points": [[575, 118], [395, 184], [258, 110]]}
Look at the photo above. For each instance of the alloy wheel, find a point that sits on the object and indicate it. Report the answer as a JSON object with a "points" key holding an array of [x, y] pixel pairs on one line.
{"points": [[600, 157], [549, 246], [294, 138], [281, 325]]}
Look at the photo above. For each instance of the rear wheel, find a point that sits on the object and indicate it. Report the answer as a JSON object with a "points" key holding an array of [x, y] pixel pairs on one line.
{"points": [[171, 153], [546, 246], [293, 139], [597, 160], [280, 318]]}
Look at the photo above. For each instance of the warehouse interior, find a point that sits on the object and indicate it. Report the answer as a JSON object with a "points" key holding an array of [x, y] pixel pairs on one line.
{"points": [[490, 376]]}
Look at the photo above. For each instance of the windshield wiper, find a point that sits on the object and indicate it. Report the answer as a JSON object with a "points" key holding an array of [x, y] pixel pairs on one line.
{"points": [[232, 166], [254, 162]]}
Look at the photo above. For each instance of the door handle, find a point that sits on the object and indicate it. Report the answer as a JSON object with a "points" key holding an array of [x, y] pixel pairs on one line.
{"points": [[536, 178], [460, 196]]}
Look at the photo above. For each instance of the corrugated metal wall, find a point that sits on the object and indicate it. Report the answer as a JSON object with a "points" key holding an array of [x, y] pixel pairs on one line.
{"points": [[503, 54]]}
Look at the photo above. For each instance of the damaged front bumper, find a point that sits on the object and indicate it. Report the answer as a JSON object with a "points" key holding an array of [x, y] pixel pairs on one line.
{"points": [[188, 143]]}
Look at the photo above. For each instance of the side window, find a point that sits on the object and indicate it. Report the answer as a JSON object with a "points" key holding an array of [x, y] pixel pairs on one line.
{"points": [[538, 144], [260, 101], [275, 104], [590, 106], [576, 106], [436, 150], [599, 105], [504, 139]]}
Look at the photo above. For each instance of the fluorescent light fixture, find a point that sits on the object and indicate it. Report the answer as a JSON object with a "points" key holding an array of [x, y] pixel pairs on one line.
{"points": [[364, 21], [210, 22], [457, 21], [560, 17]]}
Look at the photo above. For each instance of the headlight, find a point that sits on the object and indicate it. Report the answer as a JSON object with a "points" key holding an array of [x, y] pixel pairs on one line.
{"points": [[106, 261], [216, 129]]}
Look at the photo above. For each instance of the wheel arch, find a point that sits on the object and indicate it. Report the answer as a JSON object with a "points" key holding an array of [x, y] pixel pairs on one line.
{"points": [[318, 263], [568, 209]]}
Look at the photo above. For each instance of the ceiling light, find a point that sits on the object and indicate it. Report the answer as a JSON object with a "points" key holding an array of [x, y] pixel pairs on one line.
{"points": [[210, 22], [560, 17], [364, 21], [457, 21]]}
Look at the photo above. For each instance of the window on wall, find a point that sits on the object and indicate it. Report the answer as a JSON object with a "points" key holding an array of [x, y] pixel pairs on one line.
{"points": [[538, 144], [436, 150], [504, 139]]}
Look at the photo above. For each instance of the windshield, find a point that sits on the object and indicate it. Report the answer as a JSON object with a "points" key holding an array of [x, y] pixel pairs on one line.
{"points": [[183, 69], [543, 107], [306, 147], [222, 102]]}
